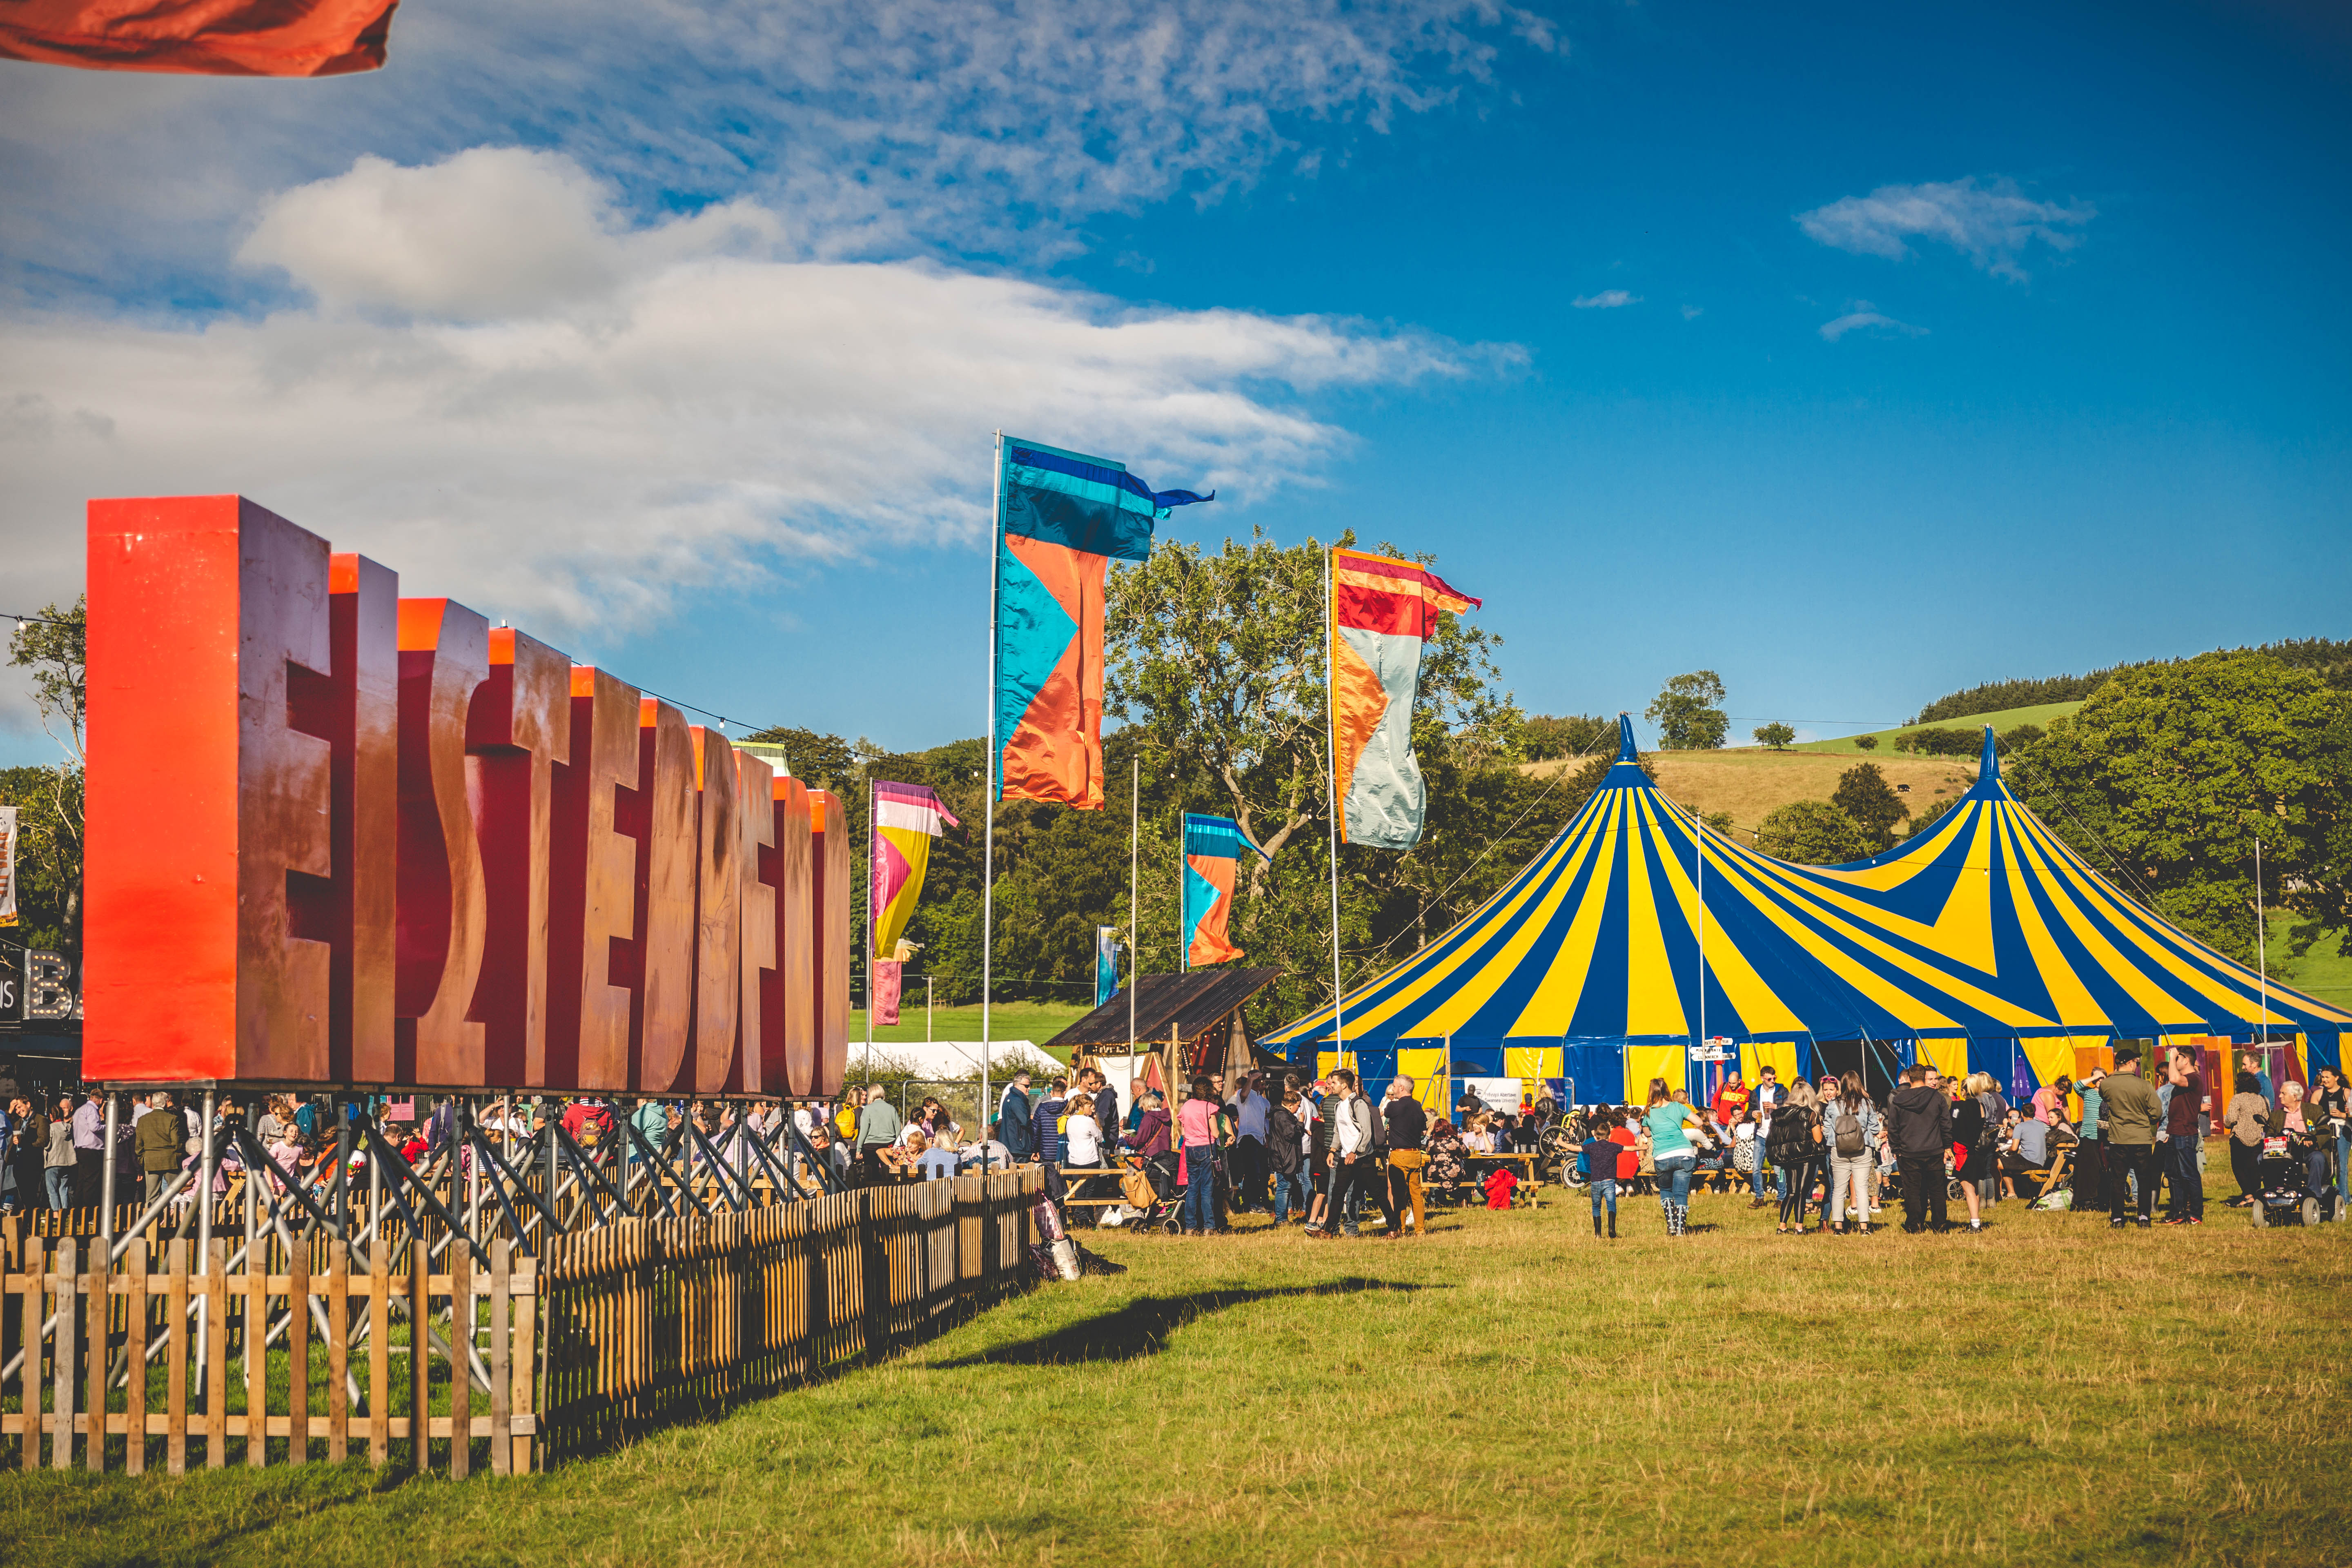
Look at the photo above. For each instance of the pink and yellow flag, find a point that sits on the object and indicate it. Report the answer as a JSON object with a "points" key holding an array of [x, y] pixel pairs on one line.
{"points": [[907, 817], [1382, 612]]}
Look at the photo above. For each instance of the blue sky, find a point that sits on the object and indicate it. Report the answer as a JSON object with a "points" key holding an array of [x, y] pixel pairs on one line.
{"points": [[1858, 354]]}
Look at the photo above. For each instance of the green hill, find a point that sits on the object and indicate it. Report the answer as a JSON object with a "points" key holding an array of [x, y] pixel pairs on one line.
{"points": [[2008, 719]]}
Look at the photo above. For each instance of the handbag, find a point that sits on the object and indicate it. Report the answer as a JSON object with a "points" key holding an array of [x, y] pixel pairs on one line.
{"points": [[1743, 1156]]}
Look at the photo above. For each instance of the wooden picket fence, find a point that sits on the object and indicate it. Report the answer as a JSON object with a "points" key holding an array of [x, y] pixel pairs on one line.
{"points": [[164, 1359], [664, 1319]]}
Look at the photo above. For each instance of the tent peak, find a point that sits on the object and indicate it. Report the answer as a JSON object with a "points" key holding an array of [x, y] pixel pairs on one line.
{"points": [[1626, 751], [1988, 767]]}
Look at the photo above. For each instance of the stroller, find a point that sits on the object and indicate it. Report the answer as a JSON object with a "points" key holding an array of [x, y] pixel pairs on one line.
{"points": [[1154, 1200], [2282, 1194]]}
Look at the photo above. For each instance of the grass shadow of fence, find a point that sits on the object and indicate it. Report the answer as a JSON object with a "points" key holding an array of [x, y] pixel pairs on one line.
{"points": [[1142, 1327]]}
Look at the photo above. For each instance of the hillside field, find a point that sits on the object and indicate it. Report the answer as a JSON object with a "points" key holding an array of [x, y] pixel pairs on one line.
{"points": [[2008, 719], [1750, 783]]}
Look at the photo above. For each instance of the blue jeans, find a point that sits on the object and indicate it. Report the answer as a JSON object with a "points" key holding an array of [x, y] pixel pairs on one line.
{"points": [[1675, 1178], [2188, 1181], [2344, 1170], [1200, 1191], [1287, 1184], [1604, 1191], [58, 1180], [1756, 1177]]}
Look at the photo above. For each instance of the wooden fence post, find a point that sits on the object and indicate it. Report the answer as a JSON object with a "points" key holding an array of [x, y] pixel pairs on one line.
{"points": [[217, 1358]]}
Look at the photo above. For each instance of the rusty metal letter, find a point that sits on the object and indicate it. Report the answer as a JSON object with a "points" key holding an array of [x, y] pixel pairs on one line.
{"points": [[719, 917], [592, 888], [362, 726], [788, 1030], [829, 857], [444, 656], [755, 819], [661, 1007], [519, 723]]}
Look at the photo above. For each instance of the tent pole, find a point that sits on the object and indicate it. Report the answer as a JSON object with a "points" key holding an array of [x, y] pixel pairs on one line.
{"points": [[1331, 741], [988, 854]]}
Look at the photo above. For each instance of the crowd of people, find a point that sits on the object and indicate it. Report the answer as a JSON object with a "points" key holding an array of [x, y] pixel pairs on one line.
{"points": [[1322, 1153], [1828, 1152], [1318, 1152]]}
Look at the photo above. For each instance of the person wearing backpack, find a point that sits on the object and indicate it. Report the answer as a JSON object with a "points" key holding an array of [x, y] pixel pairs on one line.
{"points": [[1854, 1131]]}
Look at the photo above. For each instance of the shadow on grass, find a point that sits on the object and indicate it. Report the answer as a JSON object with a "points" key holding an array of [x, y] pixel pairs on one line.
{"points": [[1142, 1327]]}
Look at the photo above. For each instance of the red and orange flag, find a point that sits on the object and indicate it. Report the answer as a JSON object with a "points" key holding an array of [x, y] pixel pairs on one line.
{"points": [[200, 38]]}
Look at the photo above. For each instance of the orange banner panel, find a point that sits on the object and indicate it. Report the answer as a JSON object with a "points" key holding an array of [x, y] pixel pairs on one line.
{"points": [[718, 911]]}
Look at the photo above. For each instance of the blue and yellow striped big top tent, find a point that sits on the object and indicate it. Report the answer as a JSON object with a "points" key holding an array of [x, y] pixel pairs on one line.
{"points": [[1982, 945]]}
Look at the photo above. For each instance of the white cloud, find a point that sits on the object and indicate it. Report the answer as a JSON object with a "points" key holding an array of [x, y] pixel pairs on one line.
{"points": [[1693, 312], [1861, 316], [512, 394], [1607, 300], [888, 129], [1992, 223]]}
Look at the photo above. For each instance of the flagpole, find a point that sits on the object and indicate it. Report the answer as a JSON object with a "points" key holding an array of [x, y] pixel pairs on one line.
{"points": [[1134, 878], [1331, 740], [988, 864], [2262, 944], [1183, 947]]}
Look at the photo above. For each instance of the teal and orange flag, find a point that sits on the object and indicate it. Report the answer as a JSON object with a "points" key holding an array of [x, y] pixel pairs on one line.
{"points": [[1381, 611], [1065, 519], [1213, 851]]}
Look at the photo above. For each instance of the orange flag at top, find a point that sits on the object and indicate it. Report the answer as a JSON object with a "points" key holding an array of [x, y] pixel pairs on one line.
{"points": [[200, 38]]}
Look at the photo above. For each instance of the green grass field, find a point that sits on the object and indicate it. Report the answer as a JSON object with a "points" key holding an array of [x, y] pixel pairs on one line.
{"points": [[2325, 971], [1507, 1392], [2008, 719], [1038, 1021]]}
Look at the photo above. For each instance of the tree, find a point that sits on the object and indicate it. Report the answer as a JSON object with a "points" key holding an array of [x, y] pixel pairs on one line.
{"points": [[1863, 795], [1775, 735], [1546, 736], [1685, 714], [2169, 776], [1811, 833], [50, 800], [1866, 743]]}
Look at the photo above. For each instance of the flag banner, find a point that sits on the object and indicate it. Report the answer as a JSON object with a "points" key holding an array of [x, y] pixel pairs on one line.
{"points": [[887, 979], [1382, 612], [8, 865], [1065, 518], [1106, 963], [1212, 849], [200, 38], [907, 817]]}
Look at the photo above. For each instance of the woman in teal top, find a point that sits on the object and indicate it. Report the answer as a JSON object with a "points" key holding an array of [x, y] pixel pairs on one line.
{"points": [[1671, 1150]]}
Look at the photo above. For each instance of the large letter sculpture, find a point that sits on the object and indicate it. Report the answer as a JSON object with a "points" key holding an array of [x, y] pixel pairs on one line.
{"points": [[341, 838]]}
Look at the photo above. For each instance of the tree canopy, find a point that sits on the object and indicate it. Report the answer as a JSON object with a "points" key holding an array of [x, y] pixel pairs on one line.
{"points": [[2169, 776], [1864, 796], [1775, 735], [1812, 833], [1685, 713]]}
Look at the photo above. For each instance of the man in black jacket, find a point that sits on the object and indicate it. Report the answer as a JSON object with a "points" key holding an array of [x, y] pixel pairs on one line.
{"points": [[1012, 1128], [1920, 1120]]}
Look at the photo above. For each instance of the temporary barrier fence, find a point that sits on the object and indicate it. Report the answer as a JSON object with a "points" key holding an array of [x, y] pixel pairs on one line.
{"points": [[171, 1355]]}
